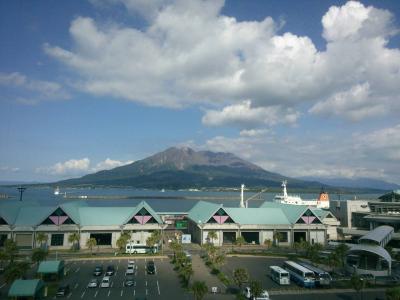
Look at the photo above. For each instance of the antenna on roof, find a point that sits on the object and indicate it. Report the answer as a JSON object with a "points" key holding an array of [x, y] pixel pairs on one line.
{"points": [[21, 190], [242, 196], [242, 201]]}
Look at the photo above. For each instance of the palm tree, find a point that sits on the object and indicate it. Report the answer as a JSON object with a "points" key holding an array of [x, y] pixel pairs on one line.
{"points": [[212, 235], [91, 243], [10, 250], [74, 238], [240, 276], [15, 271], [341, 252], [219, 259], [41, 238], [240, 241], [267, 243], [393, 293], [199, 289], [256, 288], [277, 237], [357, 283], [39, 255], [186, 272]]}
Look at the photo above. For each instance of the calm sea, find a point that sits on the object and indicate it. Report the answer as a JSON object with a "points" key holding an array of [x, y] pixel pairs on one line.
{"points": [[156, 199]]}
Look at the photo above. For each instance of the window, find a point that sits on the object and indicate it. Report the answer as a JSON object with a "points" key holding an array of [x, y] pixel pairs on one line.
{"points": [[57, 239], [283, 236]]}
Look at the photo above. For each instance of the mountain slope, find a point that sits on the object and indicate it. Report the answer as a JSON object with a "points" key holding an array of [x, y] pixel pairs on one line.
{"points": [[185, 168], [361, 183]]}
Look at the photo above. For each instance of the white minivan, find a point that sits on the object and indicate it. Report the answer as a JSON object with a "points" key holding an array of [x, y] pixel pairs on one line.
{"points": [[105, 283]]}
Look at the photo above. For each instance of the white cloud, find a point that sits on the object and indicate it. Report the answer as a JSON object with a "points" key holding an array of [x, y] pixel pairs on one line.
{"points": [[370, 155], [253, 132], [31, 91], [9, 169], [77, 167], [190, 53], [67, 168], [243, 115], [108, 164]]}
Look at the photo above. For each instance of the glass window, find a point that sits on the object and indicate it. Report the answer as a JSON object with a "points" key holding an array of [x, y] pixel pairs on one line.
{"points": [[57, 239]]}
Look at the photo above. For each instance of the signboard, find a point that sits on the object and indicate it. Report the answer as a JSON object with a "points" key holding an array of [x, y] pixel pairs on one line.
{"points": [[186, 238], [181, 224]]}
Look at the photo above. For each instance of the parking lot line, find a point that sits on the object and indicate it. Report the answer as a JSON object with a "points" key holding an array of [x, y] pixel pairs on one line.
{"points": [[122, 292], [109, 292], [134, 292], [77, 270], [3, 285], [146, 292], [158, 288], [83, 294], [76, 285], [95, 294], [112, 283], [69, 296]]}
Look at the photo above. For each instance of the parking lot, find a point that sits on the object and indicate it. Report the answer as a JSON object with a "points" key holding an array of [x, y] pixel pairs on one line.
{"points": [[258, 269], [162, 285]]}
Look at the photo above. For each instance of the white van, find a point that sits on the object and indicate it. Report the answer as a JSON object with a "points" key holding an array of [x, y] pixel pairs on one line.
{"points": [[105, 283]]}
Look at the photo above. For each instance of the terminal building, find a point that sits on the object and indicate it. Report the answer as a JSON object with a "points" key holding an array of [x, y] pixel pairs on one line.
{"points": [[279, 223]]}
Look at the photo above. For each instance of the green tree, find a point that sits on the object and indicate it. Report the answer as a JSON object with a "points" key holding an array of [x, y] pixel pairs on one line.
{"points": [[10, 250], [39, 255], [333, 261], [154, 239], [240, 241], [267, 243], [91, 243], [393, 293], [256, 288], [240, 276], [74, 238], [212, 235], [219, 259], [123, 240], [186, 272], [277, 237], [341, 251], [15, 271], [296, 246], [41, 238], [199, 289], [357, 283]]}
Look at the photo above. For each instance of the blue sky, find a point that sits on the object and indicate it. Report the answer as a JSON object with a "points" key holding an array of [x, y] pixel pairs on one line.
{"points": [[302, 88]]}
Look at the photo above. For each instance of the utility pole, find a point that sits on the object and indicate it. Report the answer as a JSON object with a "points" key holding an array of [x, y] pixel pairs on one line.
{"points": [[21, 190]]}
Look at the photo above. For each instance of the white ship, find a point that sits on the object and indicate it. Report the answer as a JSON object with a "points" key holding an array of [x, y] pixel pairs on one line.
{"points": [[57, 191], [321, 202]]}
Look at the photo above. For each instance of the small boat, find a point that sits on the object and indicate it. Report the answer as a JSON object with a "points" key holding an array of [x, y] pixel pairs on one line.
{"points": [[57, 191]]}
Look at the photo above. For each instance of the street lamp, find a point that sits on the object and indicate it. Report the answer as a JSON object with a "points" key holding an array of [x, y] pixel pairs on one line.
{"points": [[201, 232]]}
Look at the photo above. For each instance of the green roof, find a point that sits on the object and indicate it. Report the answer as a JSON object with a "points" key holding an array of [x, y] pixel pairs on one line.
{"points": [[31, 216], [203, 211], [25, 288], [51, 266], [261, 216], [103, 216], [292, 212]]}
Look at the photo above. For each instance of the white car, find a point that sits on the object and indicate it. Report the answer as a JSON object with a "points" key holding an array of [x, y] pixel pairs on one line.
{"points": [[105, 283], [94, 283], [248, 295], [130, 270]]}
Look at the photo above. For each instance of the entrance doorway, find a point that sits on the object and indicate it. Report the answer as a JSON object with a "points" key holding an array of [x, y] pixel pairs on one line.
{"points": [[300, 236], [251, 237], [229, 237], [102, 239]]}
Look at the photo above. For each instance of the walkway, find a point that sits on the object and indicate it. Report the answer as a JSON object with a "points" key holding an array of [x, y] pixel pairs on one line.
{"points": [[202, 273]]}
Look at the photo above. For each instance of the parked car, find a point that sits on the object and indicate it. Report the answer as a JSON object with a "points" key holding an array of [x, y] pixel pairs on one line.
{"points": [[130, 270], [247, 293], [93, 283], [150, 267], [105, 283], [129, 281], [110, 270], [63, 290], [98, 271]]}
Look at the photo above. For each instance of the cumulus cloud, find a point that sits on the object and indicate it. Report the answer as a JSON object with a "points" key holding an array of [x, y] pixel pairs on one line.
{"points": [[9, 169], [191, 53], [369, 155], [243, 115], [108, 164], [31, 91], [76, 167]]}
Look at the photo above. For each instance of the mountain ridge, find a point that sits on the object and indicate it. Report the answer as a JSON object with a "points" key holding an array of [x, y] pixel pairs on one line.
{"points": [[186, 168]]}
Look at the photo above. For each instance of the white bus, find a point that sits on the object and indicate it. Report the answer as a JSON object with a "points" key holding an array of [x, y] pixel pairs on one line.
{"points": [[300, 274], [322, 278], [279, 275], [132, 248]]}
